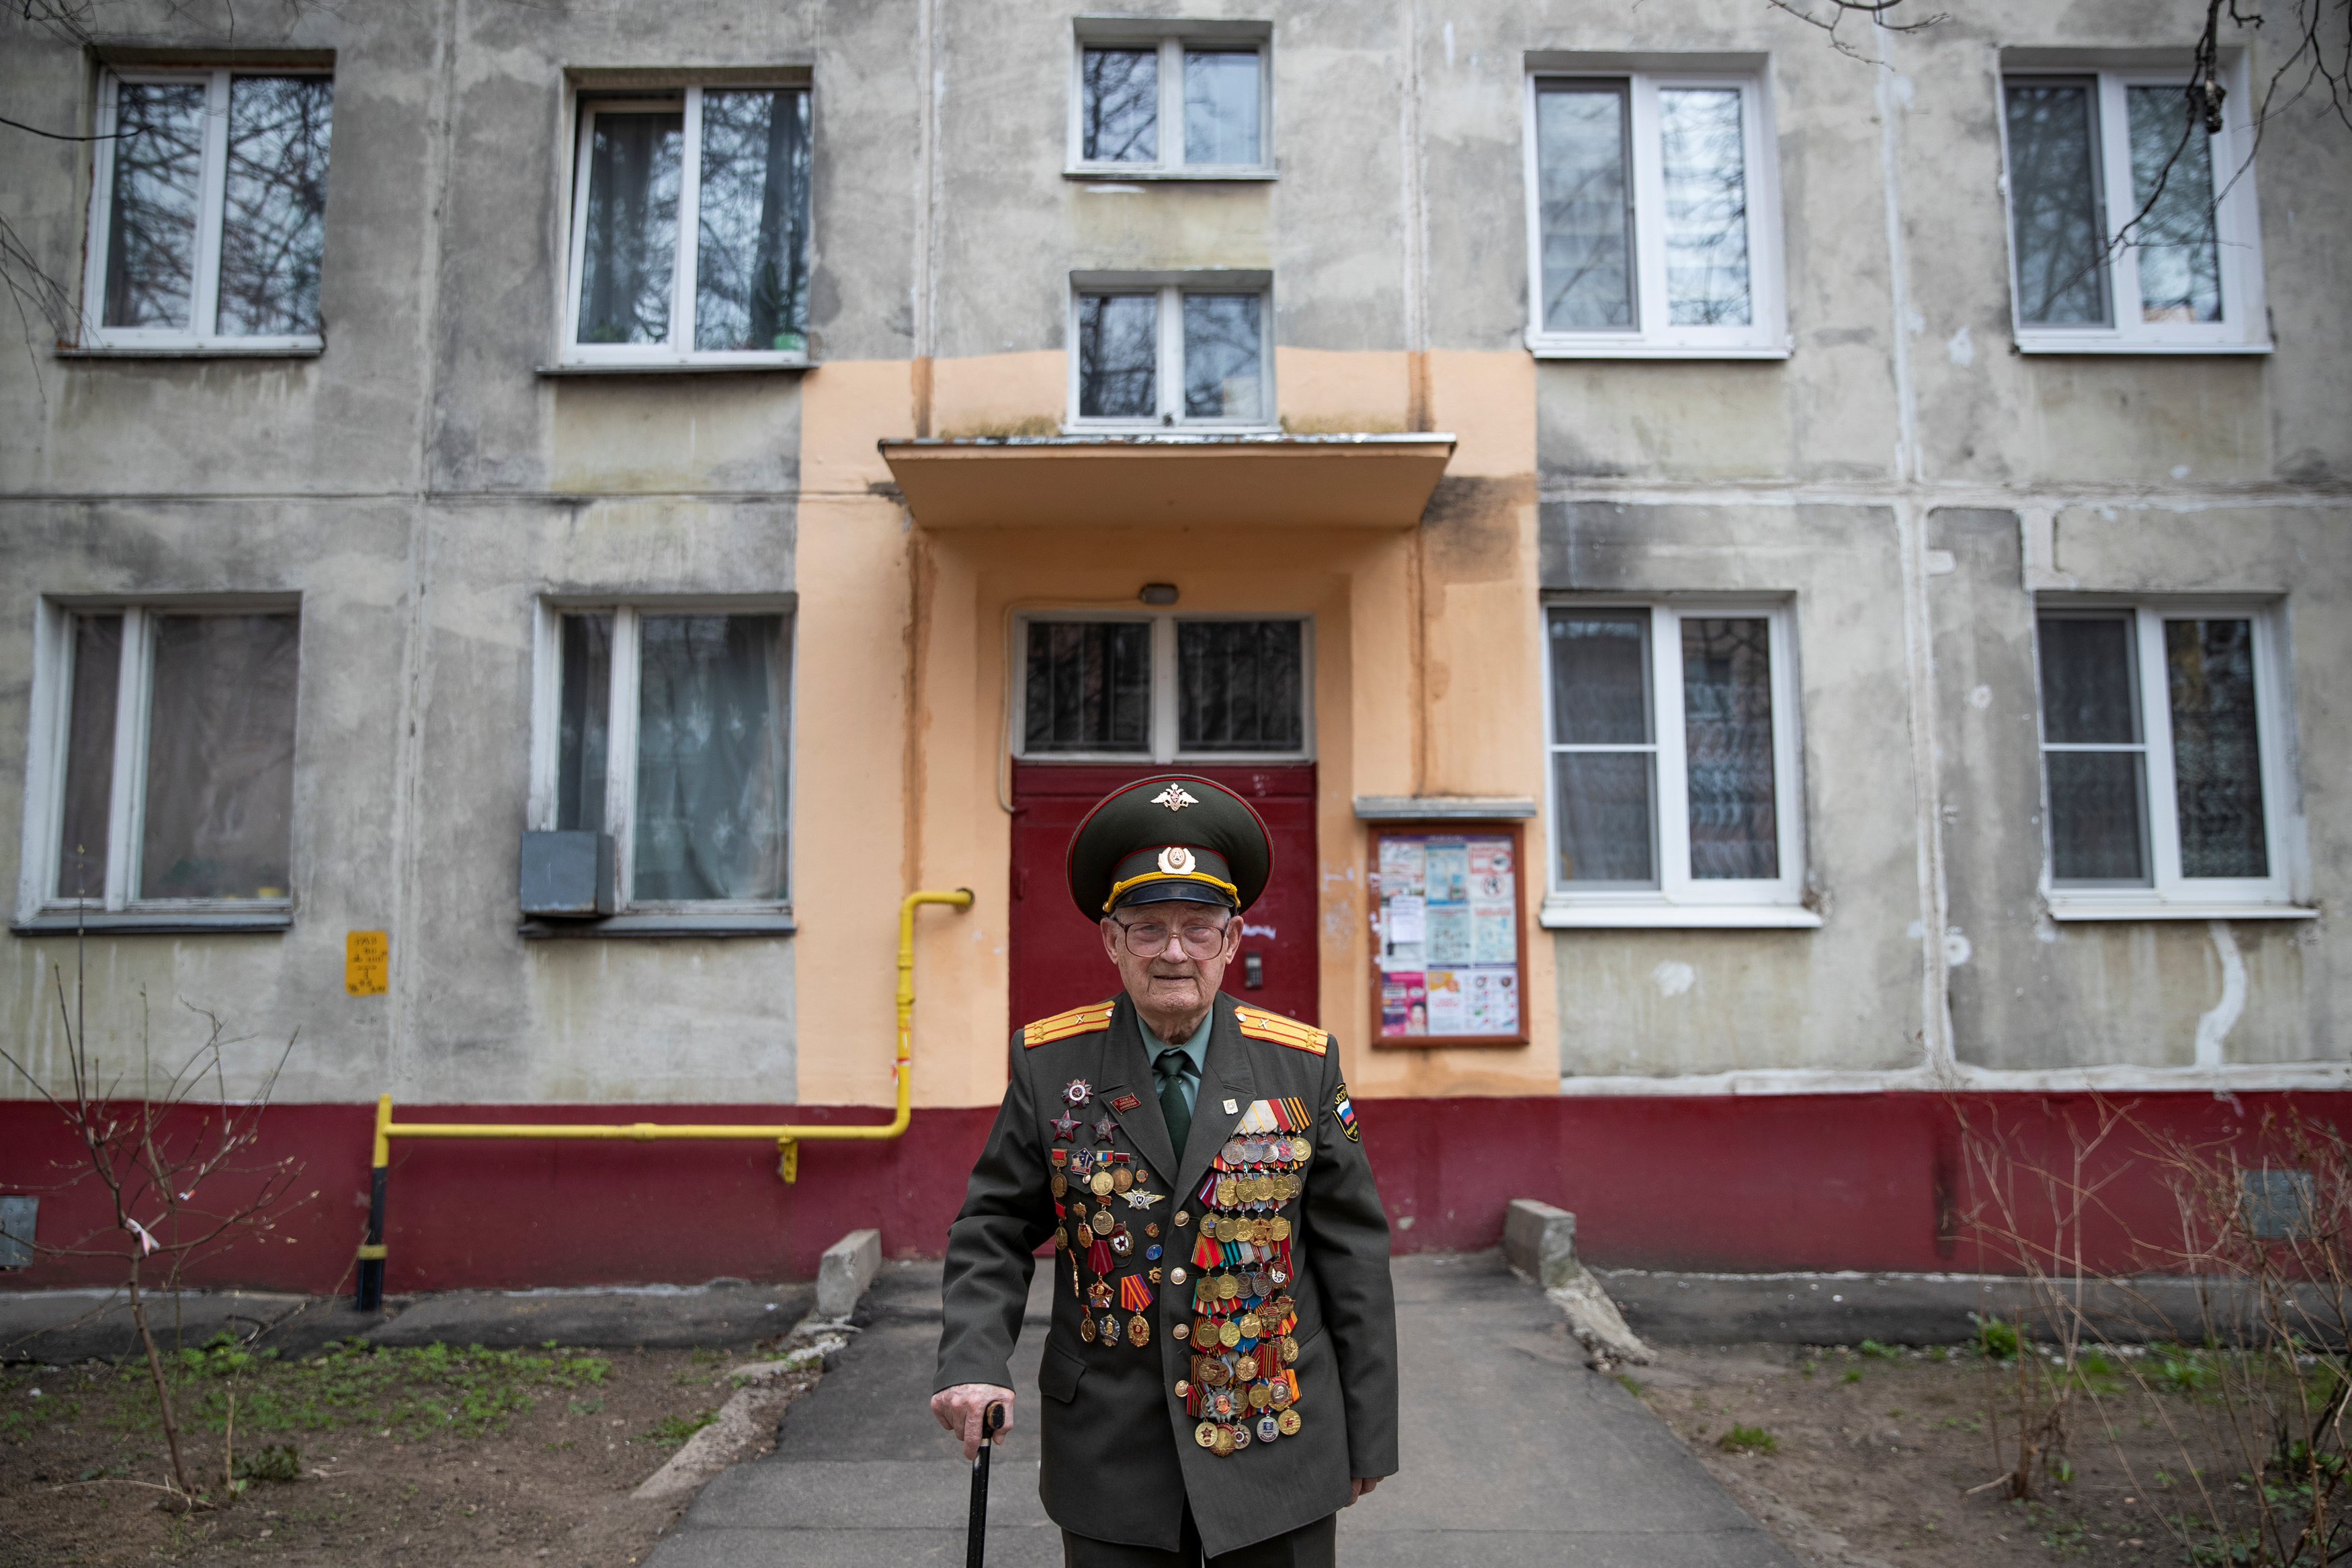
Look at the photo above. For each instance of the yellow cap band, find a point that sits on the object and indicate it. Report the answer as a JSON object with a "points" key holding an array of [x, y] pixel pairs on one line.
{"points": [[1118, 887]]}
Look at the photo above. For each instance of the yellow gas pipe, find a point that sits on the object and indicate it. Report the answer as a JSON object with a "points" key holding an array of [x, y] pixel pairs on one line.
{"points": [[788, 1138]]}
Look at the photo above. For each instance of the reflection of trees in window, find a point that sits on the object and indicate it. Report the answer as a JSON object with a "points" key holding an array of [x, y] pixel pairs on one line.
{"points": [[631, 244], [1239, 685], [2178, 239], [1120, 106], [1222, 378], [1703, 158], [1089, 686], [151, 242], [2053, 202], [751, 256], [1118, 355], [1586, 194], [273, 232]]}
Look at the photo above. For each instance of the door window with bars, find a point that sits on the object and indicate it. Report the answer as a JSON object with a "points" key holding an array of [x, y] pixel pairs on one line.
{"points": [[672, 733], [1163, 687], [173, 777], [690, 228], [1673, 758], [1169, 107], [2131, 226], [1652, 217], [1170, 355], [2159, 757], [208, 211]]}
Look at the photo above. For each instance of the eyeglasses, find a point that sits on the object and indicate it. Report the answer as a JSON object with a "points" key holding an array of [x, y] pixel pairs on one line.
{"points": [[1149, 938]]}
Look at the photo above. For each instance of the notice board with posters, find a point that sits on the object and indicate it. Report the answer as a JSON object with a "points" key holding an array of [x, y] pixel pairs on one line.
{"points": [[1449, 936]]}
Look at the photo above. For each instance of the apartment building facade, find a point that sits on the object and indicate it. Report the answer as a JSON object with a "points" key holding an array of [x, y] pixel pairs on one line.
{"points": [[1756, 624]]}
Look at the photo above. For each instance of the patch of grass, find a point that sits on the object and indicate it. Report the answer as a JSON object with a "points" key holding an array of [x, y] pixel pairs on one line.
{"points": [[1994, 1338], [1871, 1347], [1632, 1386], [702, 1357], [671, 1431], [1811, 1367], [1748, 1440], [280, 1462], [2185, 1370], [1853, 1374]]}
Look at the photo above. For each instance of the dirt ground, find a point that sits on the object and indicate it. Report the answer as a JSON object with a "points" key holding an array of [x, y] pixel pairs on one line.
{"points": [[1870, 1454], [428, 1457]]}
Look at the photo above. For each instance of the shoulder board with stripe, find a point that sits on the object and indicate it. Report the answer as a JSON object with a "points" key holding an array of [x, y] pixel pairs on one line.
{"points": [[1258, 1024], [1092, 1019]]}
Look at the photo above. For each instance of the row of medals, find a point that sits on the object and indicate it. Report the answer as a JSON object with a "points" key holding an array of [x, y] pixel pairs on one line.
{"points": [[1240, 1338], [1098, 1172]]}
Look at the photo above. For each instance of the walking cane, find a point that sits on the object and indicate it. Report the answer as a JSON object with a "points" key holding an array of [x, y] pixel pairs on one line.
{"points": [[976, 1542]]}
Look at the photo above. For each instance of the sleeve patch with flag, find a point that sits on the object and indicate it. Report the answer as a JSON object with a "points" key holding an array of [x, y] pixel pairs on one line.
{"points": [[1259, 1024], [1092, 1019]]}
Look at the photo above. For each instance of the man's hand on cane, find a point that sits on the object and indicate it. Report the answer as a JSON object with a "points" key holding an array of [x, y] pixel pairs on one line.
{"points": [[961, 1409]]}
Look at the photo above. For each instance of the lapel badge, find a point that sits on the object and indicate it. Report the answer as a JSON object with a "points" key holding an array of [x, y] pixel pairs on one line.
{"points": [[1126, 1103], [1232, 1107]]}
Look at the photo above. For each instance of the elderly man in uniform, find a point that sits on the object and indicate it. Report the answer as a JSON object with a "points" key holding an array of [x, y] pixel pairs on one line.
{"points": [[1220, 1377]]}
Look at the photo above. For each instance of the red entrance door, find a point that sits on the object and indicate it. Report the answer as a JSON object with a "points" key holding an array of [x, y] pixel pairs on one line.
{"points": [[1057, 958]]}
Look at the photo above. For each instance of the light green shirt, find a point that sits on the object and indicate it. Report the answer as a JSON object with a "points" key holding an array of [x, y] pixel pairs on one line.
{"points": [[1197, 1048]]}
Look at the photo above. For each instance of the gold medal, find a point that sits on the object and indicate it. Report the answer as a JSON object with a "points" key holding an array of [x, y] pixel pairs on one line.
{"points": [[1224, 1441], [1260, 1396], [1061, 1240], [1225, 1194], [1213, 1372], [1060, 1184], [1228, 1288], [1205, 1434], [1289, 1422], [1139, 1331], [1251, 1328], [1102, 1222], [1246, 1367], [1204, 1332], [1279, 1229], [1229, 1333], [1290, 1351], [1121, 1180], [1087, 1330], [1099, 1184]]}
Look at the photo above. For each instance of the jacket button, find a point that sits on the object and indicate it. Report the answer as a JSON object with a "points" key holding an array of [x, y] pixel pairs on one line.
{"points": [[1175, 1276], [1182, 1217]]}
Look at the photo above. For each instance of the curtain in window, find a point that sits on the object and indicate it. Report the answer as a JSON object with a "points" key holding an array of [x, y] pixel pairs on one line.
{"points": [[584, 719], [711, 759], [220, 758], [1728, 735], [2098, 822], [150, 239], [751, 256], [1604, 789], [2217, 764], [1587, 215], [274, 230], [89, 757], [631, 243]]}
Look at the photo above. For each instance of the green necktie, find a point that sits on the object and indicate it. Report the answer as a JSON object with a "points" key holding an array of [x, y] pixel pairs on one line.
{"points": [[1170, 1069]]}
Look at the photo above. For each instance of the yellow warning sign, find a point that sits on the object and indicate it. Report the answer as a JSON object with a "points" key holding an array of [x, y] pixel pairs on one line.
{"points": [[367, 963]]}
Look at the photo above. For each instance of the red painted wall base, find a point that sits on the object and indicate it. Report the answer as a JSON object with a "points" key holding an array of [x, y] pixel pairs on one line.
{"points": [[1747, 1184]]}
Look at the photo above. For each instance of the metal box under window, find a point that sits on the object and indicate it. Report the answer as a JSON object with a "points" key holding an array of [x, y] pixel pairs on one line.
{"points": [[16, 1217], [567, 875]]}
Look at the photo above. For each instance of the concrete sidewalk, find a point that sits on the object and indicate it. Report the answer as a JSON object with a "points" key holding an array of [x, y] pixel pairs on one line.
{"points": [[1513, 1453]]}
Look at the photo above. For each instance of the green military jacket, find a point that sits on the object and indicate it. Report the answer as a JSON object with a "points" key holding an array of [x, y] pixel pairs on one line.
{"points": [[1130, 1420]]}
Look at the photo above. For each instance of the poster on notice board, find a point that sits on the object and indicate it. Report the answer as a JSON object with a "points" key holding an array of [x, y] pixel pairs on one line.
{"points": [[1447, 936]]}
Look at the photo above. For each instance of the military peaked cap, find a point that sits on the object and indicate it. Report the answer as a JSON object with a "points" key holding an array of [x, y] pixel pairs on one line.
{"points": [[1174, 836]]}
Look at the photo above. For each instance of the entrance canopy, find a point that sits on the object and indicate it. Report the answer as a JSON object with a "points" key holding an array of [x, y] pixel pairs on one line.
{"points": [[1262, 481]]}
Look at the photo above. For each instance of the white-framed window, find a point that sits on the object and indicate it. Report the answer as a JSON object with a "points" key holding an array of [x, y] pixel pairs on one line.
{"points": [[1652, 218], [208, 211], [1091, 686], [2089, 154], [1149, 352], [1672, 740], [669, 727], [690, 229], [1153, 99], [2164, 759], [163, 762]]}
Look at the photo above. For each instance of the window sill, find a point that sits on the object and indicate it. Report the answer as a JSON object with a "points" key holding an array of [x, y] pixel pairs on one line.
{"points": [[1130, 430], [683, 368], [2117, 346], [2063, 908], [779, 923], [1545, 348], [1115, 175], [1671, 916], [151, 923], [1443, 808], [196, 352]]}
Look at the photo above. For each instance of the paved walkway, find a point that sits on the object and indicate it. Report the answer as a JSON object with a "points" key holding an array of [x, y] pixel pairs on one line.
{"points": [[1513, 1454]]}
